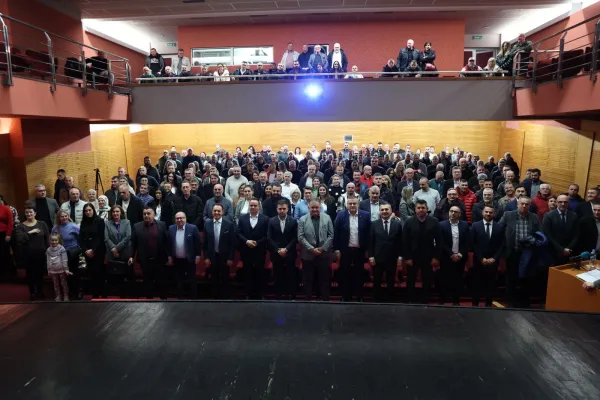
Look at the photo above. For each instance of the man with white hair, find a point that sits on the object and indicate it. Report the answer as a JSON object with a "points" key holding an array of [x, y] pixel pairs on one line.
{"points": [[338, 55], [234, 182], [287, 187], [317, 58]]}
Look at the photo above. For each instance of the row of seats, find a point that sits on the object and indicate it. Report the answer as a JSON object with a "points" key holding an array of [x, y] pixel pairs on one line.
{"points": [[35, 63], [574, 62]]}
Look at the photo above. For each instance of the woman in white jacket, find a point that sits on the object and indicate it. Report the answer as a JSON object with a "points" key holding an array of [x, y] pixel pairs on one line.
{"points": [[221, 74]]}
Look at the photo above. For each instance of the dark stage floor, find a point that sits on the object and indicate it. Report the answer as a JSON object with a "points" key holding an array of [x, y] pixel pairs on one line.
{"points": [[209, 350]]}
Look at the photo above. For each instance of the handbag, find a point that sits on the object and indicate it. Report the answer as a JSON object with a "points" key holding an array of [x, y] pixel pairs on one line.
{"points": [[116, 267]]}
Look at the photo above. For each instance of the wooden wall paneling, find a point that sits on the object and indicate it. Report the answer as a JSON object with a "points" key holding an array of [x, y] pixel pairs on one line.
{"points": [[6, 184], [593, 178], [109, 152], [140, 149], [511, 140], [78, 165], [478, 137]]}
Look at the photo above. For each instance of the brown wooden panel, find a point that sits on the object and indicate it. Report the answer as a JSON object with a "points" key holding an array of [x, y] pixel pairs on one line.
{"points": [[511, 140], [594, 175], [478, 137]]}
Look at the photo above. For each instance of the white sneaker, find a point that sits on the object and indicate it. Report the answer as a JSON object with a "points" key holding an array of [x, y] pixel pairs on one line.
{"points": [[58, 298], [66, 298]]}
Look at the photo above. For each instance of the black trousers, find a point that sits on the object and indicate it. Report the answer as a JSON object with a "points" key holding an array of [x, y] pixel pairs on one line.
{"points": [[254, 271], [74, 281], [451, 279], [219, 272], [426, 277], [317, 268], [35, 266], [7, 267], [518, 290], [154, 275], [389, 268], [97, 270], [186, 273], [352, 269], [285, 275], [484, 282]]}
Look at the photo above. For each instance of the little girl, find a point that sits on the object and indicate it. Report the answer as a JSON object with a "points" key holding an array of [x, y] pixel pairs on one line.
{"points": [[57, 260]]}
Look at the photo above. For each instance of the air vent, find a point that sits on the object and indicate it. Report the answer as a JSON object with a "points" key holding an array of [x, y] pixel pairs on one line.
{"points": [[348, 138]]}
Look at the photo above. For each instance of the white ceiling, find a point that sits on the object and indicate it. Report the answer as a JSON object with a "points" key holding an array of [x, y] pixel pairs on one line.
{"points": [[161, 17]]}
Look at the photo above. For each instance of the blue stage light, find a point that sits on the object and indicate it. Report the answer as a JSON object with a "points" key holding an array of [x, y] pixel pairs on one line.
{"points": [[313, 91]]}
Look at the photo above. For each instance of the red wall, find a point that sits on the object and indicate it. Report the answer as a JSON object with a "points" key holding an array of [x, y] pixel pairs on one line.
{"points": [[367, 44], [576, 38], [136, 60]]}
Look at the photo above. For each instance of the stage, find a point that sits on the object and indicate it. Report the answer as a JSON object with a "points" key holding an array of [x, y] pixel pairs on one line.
{"points": [[292, 351]]}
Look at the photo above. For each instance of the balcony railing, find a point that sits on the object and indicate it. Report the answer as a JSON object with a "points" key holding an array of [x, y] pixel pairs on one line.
{"points": [[27, 51], [560, 56], [322, 75]]}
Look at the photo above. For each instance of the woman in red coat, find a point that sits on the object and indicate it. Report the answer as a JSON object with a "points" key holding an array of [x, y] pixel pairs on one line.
{"points": [[6, 229]]}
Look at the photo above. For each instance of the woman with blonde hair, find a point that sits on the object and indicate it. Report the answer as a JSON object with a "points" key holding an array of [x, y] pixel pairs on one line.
{"points": [[221, 74], [504, 58], [492, 69], [240, 195], [243, 204], [407, 207]]}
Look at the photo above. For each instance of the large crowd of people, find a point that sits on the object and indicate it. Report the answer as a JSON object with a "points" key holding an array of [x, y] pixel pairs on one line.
{"points": [[410, 63], [393, 210]]}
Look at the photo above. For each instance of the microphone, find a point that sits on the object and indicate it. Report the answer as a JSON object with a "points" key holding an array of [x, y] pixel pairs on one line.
{"points": [[582, 257]]}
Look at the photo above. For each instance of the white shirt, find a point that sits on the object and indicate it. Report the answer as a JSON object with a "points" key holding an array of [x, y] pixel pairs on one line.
{"points": [[353, 242], [308, 181], [374, 211], [455, 237], [336, 57], [282, 224], [245, 207], [253, 221], [158, 211], [431, 196], [286, 190], [491, 226], [125, 204], [180, 243]]}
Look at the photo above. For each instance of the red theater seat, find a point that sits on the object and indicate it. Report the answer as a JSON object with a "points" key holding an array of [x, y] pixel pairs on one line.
{"points": [[40, 63]]}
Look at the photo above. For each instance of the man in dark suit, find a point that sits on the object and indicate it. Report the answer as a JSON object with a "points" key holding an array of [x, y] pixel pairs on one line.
{"points": [[134, 207], [184, 253], [191, 205], [282, 236], [487, 242], [422, 247], [269, 206], [45, 207], [562, 230], [409, 181], [149, 242], [455, 248], [452, 183], [219, 248], [385, 251], [519, 226], [259, 187], [586, 208], [350, 242], [371, 205], [252, 238], [589, 231]]}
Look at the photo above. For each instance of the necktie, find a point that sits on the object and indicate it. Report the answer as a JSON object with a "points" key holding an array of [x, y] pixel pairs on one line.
{"points": [[563, 216], [487, 230], [387, 229], [217, 235], [282, 226]]}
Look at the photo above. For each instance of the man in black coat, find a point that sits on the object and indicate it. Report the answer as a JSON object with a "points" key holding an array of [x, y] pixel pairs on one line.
{"points": [[282, 236], [586, 209], [269, 206], [455, 252], [134, 207], [589, 231], [219, 249], [385, 251], [422, 244], [561, 227], [149, 241], [191, 205], [259, 187], [487, 241], [407, 54], [252, 240], [452, 183]]}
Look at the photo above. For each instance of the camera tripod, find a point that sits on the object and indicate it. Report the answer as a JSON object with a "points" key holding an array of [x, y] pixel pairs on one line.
{"points": [[98, 181]]}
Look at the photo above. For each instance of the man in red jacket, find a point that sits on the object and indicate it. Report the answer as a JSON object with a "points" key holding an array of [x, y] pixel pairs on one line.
{"points": [[468, 198], [541, 200]]}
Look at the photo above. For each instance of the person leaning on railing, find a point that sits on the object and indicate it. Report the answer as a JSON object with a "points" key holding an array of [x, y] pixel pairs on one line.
{"points": [[205, 74], [413, 69], [147, 74], [391, 68], [354, 74], [492, 69], [524, 48], [504, 58], [470, 67], [185, 72]]}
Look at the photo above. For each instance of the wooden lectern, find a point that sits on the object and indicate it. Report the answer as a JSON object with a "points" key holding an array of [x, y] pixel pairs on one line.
{"points": [[566, 292]]}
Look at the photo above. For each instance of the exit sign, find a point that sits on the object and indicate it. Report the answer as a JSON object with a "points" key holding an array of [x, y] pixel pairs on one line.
{"points": [[171, 44], [478, 37]]}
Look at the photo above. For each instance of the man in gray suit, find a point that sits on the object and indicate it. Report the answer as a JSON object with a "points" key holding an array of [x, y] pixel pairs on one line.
{"points": [[45, 207], [315, 235], [520, 227]]}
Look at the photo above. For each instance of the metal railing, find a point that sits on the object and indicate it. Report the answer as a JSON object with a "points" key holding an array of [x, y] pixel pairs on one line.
{"points": [[560, 56], [30, 52], [320, 75]]}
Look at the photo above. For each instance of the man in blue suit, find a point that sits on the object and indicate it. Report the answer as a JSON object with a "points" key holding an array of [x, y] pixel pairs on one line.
{"points": [[252, 238], [350, 242], [455, 252], [184, 253], [219, 248], [487, 241]]}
